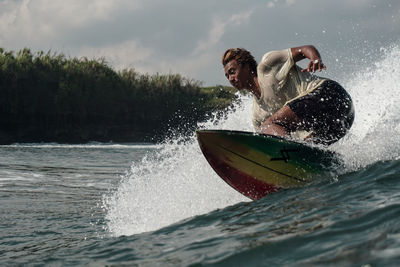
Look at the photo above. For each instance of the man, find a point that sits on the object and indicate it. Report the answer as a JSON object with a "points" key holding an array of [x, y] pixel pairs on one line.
{"points": [[290, 101]]}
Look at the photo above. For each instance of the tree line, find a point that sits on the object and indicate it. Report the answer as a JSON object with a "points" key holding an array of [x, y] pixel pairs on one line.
{"points": [[47, 97]]}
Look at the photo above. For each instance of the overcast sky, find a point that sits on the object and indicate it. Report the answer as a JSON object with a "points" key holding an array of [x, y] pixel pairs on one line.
{"points": [[189, 37]]}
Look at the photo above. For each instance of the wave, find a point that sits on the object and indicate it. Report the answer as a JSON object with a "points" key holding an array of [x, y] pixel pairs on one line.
{"points": [[176, 182]]}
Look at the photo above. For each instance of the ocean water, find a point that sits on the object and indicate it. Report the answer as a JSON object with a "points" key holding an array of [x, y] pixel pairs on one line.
{"points": [[162, 205]]}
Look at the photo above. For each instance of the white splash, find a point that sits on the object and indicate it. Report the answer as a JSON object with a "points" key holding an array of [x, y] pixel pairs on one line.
{"points": [[375, 135], [173, 184]]}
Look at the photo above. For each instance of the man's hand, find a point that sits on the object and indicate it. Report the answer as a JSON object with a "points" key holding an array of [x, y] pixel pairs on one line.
{"points": [[314, 65]]}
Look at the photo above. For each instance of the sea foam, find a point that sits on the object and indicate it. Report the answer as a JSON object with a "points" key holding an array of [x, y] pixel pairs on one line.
{"points": [[375, 135]]}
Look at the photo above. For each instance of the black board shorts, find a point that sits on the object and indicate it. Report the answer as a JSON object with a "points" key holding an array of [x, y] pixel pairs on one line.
{"points": [[327, 111]]}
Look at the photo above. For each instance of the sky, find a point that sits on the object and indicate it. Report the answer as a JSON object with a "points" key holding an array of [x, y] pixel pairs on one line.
{"points": [[189, 37]]}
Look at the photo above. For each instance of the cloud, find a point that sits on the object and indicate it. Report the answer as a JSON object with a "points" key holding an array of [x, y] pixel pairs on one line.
{"points": [[218, 29], [274, 3], [195, 64], [129, 54], [290, 2], [73, 13], [40, 20], [206, 53]]}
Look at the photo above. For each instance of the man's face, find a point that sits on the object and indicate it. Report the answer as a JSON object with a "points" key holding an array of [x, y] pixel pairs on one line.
{"points": [[238, 76]]}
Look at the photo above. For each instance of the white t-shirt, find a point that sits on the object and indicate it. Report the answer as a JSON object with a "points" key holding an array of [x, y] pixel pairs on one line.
{"points": [[281, 81]]}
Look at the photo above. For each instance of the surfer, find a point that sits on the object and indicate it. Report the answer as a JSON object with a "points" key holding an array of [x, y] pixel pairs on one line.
{"points": [[290, 101]]}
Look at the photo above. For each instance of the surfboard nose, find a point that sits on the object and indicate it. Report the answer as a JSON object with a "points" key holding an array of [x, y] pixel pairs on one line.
{"points": [[206, 136], [222, 153]]}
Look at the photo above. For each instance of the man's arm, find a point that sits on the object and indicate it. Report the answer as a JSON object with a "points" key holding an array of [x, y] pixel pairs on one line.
{"points": [[310, 52]]}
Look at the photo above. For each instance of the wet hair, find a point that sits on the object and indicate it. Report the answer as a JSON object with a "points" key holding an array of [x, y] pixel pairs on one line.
{"points": [[242, 56]]}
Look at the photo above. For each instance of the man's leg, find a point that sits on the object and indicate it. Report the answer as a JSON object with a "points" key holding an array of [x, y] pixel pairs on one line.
{"points": [[281, 123]]}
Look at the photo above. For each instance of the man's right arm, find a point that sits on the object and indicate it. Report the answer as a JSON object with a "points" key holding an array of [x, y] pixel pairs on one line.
{"points": [[310, 52]]}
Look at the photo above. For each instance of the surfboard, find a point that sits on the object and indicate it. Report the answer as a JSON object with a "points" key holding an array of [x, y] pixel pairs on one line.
{"points": [[257, 164]]}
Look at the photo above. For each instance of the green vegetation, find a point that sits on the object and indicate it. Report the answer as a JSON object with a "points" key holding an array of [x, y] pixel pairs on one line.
{"points": [[47, 97]]}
